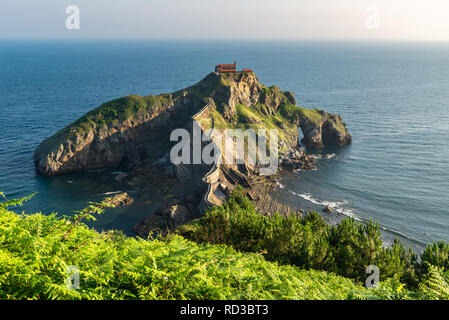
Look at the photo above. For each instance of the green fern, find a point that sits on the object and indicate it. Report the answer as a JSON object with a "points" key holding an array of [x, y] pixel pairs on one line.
{"points": [[435, 286]]}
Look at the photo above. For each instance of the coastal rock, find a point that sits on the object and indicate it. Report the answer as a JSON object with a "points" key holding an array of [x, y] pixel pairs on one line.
{"points": [[165, 218], [178, 215], [296, 159], [324, 129], [147, 225], [290, 97], [106, 138], [328, 209], [128, 201], [136, 129]]}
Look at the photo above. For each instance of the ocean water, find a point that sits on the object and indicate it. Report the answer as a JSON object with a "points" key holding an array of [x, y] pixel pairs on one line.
{"points": [[393, 97]]}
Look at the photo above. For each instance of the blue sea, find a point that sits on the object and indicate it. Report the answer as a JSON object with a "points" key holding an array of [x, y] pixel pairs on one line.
{"points": [[394, 98]]}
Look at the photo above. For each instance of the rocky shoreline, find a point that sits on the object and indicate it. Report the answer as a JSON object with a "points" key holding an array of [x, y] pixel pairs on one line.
{"points": [[183, 208]]}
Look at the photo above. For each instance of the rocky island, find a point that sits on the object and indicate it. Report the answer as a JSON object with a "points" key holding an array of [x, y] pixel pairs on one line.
{"points": [[136, 129]]}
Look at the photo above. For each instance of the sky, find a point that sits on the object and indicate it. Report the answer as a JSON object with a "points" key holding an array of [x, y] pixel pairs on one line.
{"points": [[420, 20]]}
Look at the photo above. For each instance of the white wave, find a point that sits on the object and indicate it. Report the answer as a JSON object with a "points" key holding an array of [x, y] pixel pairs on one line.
{"points": [[335, 205], [119, 175], [280, 185], [107, 193]]}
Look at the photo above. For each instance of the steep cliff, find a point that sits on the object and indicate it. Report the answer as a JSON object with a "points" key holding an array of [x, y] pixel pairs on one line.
{"points": [[132, 128], [136, 128]]}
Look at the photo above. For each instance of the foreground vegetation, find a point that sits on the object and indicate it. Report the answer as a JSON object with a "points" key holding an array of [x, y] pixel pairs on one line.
{"points": [[308, 242], [36, 251]]}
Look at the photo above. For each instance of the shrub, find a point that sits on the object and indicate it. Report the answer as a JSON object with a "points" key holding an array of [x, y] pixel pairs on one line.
{"points": [[307, 242], [436, 254], [435, 284]]}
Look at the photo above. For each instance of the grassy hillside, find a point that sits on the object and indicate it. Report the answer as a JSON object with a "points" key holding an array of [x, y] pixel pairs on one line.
{"points": [[115, 111]]}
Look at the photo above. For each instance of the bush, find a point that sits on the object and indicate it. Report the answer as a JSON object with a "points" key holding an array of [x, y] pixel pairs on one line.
{"points": [[436, 254], [346, 249], [435, 284]]}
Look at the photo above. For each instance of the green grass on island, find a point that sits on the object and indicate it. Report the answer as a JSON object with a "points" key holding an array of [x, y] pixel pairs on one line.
{"points": [[139, 108], [116, 111], [233, 253]]}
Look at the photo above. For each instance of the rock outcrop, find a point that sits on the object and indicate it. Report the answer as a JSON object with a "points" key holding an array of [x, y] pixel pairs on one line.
{"points": [[137, 129], [328, 129], [165, 218], [134, 127]]}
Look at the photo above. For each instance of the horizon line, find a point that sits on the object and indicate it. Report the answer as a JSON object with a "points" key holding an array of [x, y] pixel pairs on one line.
{"points": [[222, 39]]}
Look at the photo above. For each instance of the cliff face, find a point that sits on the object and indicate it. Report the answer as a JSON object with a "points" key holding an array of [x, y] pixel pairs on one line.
{"points": [[131, 129], [244, 100], [322, 129], [137, 129]]}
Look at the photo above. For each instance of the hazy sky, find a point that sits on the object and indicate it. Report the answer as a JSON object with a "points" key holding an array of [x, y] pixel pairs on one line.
{"points": [[280, 19]]}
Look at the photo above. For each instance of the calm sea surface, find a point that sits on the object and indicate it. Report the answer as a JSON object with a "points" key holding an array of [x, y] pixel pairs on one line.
{"points": [[394, 98]]}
